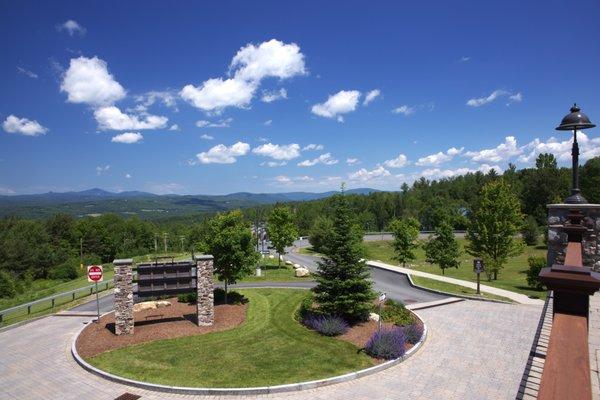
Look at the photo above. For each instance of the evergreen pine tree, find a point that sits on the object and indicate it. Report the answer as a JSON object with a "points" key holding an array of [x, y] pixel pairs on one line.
{"points": [[343, 286]]}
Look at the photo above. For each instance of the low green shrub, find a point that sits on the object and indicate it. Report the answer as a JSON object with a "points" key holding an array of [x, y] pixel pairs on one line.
{"points": [[232, 297], [219, 297], [306, 306], [7, 284], [66, 271], [396, 313], [190, 297], [535, 266]]}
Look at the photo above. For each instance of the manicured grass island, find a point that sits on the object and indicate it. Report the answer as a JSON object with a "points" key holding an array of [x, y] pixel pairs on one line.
{"points": [[270, 348], [512, 277]]}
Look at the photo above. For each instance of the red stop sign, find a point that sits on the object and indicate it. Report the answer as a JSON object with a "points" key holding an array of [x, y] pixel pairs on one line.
{"points": [[94, 273]]}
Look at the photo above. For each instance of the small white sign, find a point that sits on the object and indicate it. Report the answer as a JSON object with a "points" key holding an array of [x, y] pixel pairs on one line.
{"points": [[382, 297]]}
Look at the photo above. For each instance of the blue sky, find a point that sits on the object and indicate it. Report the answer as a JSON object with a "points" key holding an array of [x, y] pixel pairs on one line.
{"points": [[212, 98]]}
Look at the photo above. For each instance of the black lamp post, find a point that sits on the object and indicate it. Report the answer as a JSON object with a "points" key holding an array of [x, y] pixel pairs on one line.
{"points": [[574, 121]]}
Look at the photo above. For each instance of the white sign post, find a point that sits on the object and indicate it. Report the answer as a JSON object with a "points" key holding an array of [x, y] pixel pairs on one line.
{"points": [[95, 274], [382, 297]]}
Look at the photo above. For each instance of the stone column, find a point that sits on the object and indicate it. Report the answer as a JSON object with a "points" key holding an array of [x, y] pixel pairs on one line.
{"points": [[123, 296], [557, 238], [204, 287]]}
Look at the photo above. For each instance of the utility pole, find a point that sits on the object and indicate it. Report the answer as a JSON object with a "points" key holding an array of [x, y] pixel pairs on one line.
{"points": [[155, 243], [81, 252], [182, 238], [165, 240]]}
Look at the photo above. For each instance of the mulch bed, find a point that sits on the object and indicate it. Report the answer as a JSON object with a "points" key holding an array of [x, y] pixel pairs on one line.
{"points": [[174, 321], [359, 334]]}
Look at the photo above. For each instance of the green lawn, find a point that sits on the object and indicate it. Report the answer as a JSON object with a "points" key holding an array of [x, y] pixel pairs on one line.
{"points": [[41, 288], [512, 276], [271, 272], [453, 289], [309, 251], [270, 348]]}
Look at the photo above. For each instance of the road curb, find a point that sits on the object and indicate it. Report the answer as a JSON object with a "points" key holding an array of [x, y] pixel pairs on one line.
{"points": [[294, 387], [462, 296]]}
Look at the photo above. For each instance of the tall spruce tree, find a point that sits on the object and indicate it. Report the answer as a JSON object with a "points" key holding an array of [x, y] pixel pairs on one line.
{"points": [[343, 285]]}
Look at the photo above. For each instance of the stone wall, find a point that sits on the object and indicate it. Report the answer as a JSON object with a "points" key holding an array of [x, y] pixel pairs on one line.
{"points": [[123, 297], [557, 239], [204, 286]]}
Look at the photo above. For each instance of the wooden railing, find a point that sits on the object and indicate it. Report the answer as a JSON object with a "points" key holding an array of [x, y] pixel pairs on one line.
{"points": [[567, 368], [566, 373]]}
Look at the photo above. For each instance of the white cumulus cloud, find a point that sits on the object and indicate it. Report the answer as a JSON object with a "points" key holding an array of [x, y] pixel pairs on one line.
{"points": [[224, 123], [502, 152], [71, 27], [397, 162], [88, 81], [269, 59], [352, 161], [325, 159], [102, 169], [496, 94], [274, 95], [23, 126], [404, 110], [278, 152], [370, 96], [588, 148], [112, 118], [343, 102], [313, 146], [216, 94], [365, 175], [440, 157], [127, 137], [221, 154], [436, 173], [207, 137]]}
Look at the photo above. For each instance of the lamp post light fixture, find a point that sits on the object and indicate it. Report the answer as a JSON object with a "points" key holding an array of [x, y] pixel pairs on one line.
{"points": [[574, 121]]}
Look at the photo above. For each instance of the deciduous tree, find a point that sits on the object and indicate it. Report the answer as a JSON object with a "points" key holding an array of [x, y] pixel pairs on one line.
{"points": [[406, 233], [442, 247], [281, 229], [231, 244], [493, 228]]}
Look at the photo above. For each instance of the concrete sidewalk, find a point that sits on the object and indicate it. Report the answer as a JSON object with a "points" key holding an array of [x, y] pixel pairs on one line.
{"points": [[516, 297]]}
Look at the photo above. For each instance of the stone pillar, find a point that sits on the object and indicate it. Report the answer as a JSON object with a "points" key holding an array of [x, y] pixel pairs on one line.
{"points": [[205, 287], [123, 296], [557, 238]]}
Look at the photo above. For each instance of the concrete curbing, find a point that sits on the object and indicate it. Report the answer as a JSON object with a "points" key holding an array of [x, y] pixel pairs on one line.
{"points": [[293, 387], [462, 296]]}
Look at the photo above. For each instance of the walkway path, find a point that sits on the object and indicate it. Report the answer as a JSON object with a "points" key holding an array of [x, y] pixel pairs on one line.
{"points": [[476, 350], [516, 297]]}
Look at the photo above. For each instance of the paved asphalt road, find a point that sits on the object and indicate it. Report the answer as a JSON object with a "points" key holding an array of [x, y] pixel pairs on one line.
{"points": [[395, 285]]}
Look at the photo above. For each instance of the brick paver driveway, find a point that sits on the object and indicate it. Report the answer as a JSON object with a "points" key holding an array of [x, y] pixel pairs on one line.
{"points": [[475, 350]]}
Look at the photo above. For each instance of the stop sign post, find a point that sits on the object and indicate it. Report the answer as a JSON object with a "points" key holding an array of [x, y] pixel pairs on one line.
{"points": [[95, 274]]}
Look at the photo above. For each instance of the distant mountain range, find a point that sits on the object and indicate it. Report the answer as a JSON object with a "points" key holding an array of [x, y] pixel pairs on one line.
{"points": [[146, 205]]}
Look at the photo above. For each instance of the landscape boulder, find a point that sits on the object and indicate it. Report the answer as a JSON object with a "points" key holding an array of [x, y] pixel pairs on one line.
{"points": [[150, 305], [296, 266], [374, 317], [302, 272]]}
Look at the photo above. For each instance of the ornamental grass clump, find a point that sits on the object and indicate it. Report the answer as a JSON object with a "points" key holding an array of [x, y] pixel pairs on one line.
{"points": [[387, 344], [413, 333], [328, 325]]}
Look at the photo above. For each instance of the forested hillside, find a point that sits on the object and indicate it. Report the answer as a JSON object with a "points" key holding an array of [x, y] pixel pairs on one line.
{"points": [[50, 248]]}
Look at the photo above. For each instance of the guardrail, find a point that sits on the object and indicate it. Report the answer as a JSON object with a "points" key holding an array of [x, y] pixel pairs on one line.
{"points": [[50, 302]]}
